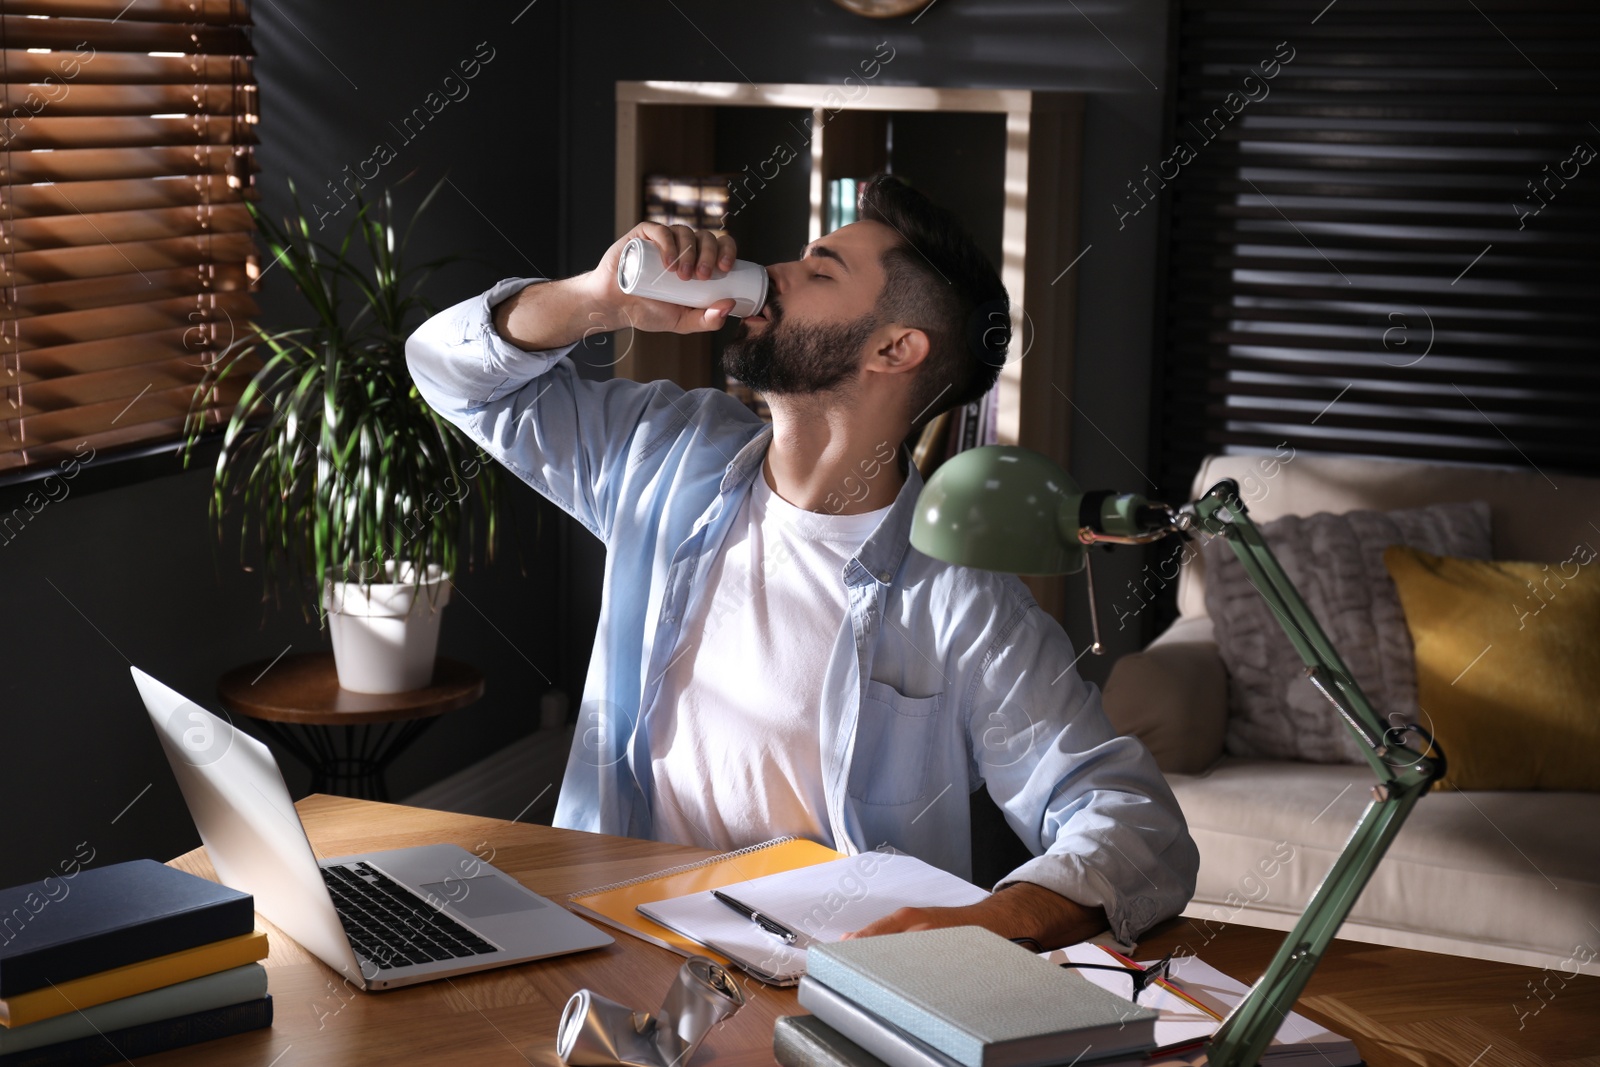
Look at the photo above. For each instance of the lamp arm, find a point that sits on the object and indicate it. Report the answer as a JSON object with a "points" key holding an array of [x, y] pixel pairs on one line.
{"points": [[1404, 775], [1250, 1027], [1221, 513]]}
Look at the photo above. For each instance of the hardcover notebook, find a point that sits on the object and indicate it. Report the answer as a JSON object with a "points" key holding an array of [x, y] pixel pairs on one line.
{"points": [[820, 903], [617, 904], [980, 999], [104, 917]]}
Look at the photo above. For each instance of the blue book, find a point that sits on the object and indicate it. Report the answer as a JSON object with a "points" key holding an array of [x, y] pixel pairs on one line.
{"points": [[233, 986], [980, 999], [146, 1039], [101, 918]]}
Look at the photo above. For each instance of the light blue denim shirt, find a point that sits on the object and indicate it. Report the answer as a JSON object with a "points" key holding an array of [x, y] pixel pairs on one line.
{"points": [[943, 678]]}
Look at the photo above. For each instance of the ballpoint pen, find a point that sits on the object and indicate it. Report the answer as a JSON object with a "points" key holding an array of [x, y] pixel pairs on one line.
{"points": [[771, 926]]}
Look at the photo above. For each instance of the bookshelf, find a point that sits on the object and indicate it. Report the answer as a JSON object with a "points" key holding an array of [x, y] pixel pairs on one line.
{"points": [[1006, 160]]}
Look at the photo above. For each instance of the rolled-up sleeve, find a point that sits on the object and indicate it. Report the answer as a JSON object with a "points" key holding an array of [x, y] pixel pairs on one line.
{"points": [[1092, 806]]}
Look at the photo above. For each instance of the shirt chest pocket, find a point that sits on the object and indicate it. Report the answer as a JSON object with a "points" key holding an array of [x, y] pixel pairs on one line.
{"points": [[895, 735]]}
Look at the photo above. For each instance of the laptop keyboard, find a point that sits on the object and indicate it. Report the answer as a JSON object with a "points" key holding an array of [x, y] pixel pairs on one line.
{"points": [[392, 926]]}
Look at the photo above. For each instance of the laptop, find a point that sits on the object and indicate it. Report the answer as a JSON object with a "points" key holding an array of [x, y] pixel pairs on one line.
{"points": [[382, 919]]}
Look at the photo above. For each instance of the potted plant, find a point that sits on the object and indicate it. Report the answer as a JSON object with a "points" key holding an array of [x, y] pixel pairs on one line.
{"points": [[341, 471]]}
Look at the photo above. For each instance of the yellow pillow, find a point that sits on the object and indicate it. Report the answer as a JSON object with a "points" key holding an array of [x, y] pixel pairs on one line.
{"points": [[1508, 666]]}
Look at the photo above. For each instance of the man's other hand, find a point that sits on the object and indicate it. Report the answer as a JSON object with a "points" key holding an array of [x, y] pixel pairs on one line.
{"points": [[1021, 909]]}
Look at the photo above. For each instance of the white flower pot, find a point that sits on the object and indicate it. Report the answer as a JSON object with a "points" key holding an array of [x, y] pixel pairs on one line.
{"points": [[386, 634]]}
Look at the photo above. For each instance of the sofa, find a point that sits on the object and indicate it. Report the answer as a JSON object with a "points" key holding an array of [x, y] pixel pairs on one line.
{"points": [[1512, 876]]}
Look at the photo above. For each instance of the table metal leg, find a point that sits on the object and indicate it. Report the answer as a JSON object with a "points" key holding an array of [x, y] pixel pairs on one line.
{"points": [[348, 761]]}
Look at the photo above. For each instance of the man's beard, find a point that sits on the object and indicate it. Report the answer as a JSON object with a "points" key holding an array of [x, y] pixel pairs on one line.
{"points": [[797, 359]]}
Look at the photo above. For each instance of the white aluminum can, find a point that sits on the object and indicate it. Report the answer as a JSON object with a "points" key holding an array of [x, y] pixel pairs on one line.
{"points": [[640, 273]]}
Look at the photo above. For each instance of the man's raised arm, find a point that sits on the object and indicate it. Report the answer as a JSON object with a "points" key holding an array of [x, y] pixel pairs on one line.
{"points": [[495, 366]]}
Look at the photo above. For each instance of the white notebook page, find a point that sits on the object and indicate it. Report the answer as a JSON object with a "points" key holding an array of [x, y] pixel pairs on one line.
{"points": [[822, 902], [1299, 1040]]}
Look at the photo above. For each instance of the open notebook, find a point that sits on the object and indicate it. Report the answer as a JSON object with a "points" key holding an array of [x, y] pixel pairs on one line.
{"points": [[819, 903], [617, 904]]}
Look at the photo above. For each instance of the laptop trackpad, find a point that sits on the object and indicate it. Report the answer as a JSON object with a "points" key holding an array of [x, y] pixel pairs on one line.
{"points": [[485, 895]]}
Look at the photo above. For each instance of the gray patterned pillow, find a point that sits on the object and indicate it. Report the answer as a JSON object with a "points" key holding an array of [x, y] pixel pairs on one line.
{"points": [[1336, 562]]}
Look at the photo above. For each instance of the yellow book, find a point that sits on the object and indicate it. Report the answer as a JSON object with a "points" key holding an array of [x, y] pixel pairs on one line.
{"points": [[616, 904], [140, 977]]}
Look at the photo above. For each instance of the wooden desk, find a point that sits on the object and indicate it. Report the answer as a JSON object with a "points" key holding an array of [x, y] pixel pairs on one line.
{"points": [[1402, 1007]]}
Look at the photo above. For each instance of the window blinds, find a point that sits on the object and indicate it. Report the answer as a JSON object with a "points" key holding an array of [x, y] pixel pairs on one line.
{"points": [[1381, 232], [126, 257]]}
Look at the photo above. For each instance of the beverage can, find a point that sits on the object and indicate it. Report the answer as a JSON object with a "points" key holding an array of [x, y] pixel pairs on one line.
{"points": [[640, 273]]}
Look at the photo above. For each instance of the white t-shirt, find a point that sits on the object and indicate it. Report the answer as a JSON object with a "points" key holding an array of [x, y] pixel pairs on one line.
{"points": [[741, 762]]}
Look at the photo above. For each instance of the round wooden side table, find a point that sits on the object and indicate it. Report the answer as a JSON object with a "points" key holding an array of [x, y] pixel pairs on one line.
{"points": [[347, 739]]}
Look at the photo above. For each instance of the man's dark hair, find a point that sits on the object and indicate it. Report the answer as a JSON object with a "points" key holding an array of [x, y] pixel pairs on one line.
{"points": [[938, 280]]}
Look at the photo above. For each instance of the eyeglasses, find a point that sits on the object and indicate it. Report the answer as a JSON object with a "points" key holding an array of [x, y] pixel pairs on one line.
{"points": [[1138, 978]]}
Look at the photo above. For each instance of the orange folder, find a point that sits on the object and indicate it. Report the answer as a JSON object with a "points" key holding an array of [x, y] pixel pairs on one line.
{"points": [[617, 904]]}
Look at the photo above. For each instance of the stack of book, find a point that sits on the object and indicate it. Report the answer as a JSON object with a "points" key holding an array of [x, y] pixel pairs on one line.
{"points": [[964, 997], [956, 996], [115, 962]]}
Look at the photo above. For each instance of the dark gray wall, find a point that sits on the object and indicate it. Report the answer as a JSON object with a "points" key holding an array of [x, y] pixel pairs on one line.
{"points": [[128, 574], [1115, 52]]}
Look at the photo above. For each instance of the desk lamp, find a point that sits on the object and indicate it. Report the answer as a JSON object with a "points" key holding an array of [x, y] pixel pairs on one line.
{"points": [[1011, 509]]}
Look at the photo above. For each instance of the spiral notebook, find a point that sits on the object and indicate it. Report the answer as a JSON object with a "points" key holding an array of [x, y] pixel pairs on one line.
{"points": [[617, 904]]}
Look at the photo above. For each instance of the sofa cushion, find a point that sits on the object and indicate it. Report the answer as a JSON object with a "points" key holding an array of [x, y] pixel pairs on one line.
{"points": [[1532, 518], [1173, 696], [1336, 564], [1508, 665], [1512, 876]]}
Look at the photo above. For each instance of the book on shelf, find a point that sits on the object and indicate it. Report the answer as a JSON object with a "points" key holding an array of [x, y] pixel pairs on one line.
{"points": [[932, 444], [146, 1039], [697, 200], [233, 986], [974, 424], [59, 929], [842, 205], [131, 978], [981, 1000], [816, 904]]}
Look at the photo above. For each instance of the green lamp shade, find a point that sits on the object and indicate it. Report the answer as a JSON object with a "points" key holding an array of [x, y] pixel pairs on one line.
{"points": [[1000, 508]]}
